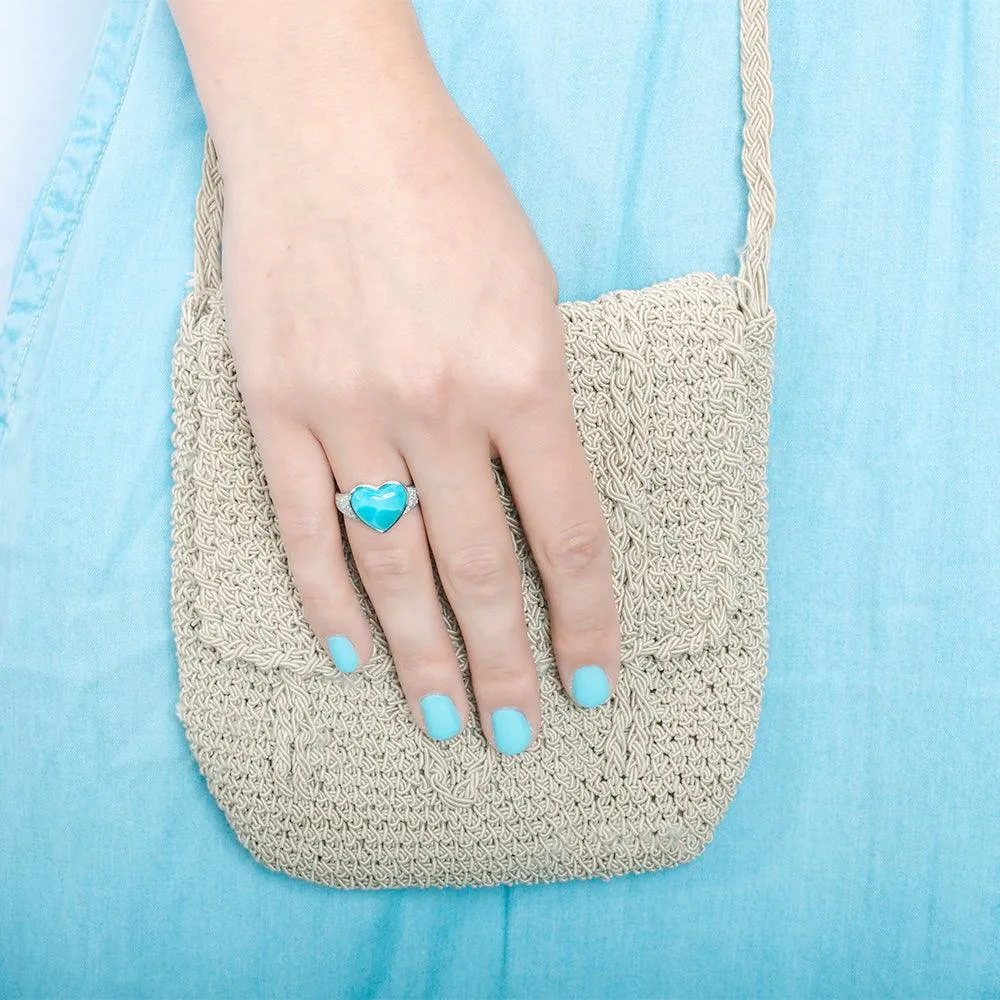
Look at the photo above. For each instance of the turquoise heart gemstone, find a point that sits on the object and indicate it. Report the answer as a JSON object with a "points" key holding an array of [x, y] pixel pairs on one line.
{"points": [[380, 507]]}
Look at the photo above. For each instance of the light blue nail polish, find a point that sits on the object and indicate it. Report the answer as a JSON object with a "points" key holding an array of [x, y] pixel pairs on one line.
{"points": [[440, 716], [511, 730], [590, 686], [342, 653]]}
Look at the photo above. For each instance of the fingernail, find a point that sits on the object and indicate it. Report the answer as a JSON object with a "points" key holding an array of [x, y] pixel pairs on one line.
{"points": [[440, 716], [342, 653], [511, 730], [590, 686]]}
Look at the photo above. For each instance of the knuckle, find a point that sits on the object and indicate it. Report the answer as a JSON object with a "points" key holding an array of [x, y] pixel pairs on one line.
{"points": [[350, 395], [326, 600], [587, 631], [317, 598], [478, 570], [316, 384], [261, 385], [430, 398], [528, 387], [386, 568], [426, 666], [317, 607], [577, 549], [518, 681], [303, 526]]}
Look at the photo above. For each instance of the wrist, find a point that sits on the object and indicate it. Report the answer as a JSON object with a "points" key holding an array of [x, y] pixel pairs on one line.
{"points": [[310, 81]]}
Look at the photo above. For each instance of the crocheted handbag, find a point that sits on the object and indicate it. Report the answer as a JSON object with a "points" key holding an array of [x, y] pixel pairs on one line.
{"points": [[324, 776]]}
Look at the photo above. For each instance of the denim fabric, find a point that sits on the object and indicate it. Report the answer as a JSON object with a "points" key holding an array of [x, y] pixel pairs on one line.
{"points": [[861, 856]]}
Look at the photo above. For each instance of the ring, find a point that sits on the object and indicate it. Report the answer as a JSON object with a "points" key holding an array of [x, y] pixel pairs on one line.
{"points": [[380, 507]]}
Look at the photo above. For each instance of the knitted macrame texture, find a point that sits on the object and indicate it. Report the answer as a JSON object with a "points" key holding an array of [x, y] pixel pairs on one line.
{"points": [[326, 777]]}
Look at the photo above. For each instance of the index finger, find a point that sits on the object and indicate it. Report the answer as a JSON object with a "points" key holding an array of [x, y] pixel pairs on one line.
{"points": [[557, 503]]}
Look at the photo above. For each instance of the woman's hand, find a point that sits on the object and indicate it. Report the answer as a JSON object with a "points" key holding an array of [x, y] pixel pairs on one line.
{"points": [[392, 316]]}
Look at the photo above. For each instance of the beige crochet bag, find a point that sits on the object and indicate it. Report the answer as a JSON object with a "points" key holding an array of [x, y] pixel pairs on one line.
{"points": [[325, 776]]}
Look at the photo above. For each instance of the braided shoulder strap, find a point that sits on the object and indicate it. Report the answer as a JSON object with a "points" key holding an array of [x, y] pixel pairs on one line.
{"points": [[758, 111]]}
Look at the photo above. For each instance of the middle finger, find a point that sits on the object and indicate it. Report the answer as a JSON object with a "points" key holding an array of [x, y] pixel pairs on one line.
{"points": [[474, 553]]}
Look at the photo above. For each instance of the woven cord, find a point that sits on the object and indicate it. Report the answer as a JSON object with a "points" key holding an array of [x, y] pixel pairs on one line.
{"points": [[758, 95], [209, 207]]}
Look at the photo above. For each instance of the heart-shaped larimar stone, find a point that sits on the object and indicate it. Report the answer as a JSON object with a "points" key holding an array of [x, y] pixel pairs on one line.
{"points": [[380, 507]]}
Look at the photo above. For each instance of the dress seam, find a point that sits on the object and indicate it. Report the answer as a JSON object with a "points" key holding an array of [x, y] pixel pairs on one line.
{"points": [[34, 275]]}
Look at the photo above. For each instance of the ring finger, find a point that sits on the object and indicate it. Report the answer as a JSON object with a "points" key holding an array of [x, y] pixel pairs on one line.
{"points": [[395, 568]]}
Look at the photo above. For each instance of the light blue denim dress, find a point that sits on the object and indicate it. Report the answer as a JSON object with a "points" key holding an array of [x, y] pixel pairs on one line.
{"points": [[861, 856]]}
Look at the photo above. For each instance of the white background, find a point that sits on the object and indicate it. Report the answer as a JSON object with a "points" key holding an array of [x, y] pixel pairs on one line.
{"points": [[45, 50]]}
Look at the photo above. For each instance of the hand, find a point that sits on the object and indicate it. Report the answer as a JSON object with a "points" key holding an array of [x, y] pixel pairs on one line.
{"points": [[393, 316]]}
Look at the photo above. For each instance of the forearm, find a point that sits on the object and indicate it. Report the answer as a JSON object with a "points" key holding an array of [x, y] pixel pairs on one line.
{"points": [[304, 74]]}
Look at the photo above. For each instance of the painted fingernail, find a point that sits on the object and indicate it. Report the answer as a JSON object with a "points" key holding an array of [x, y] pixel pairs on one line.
{"points": [[440, 716], [343, 653], [511, 730], [590, 686]]}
